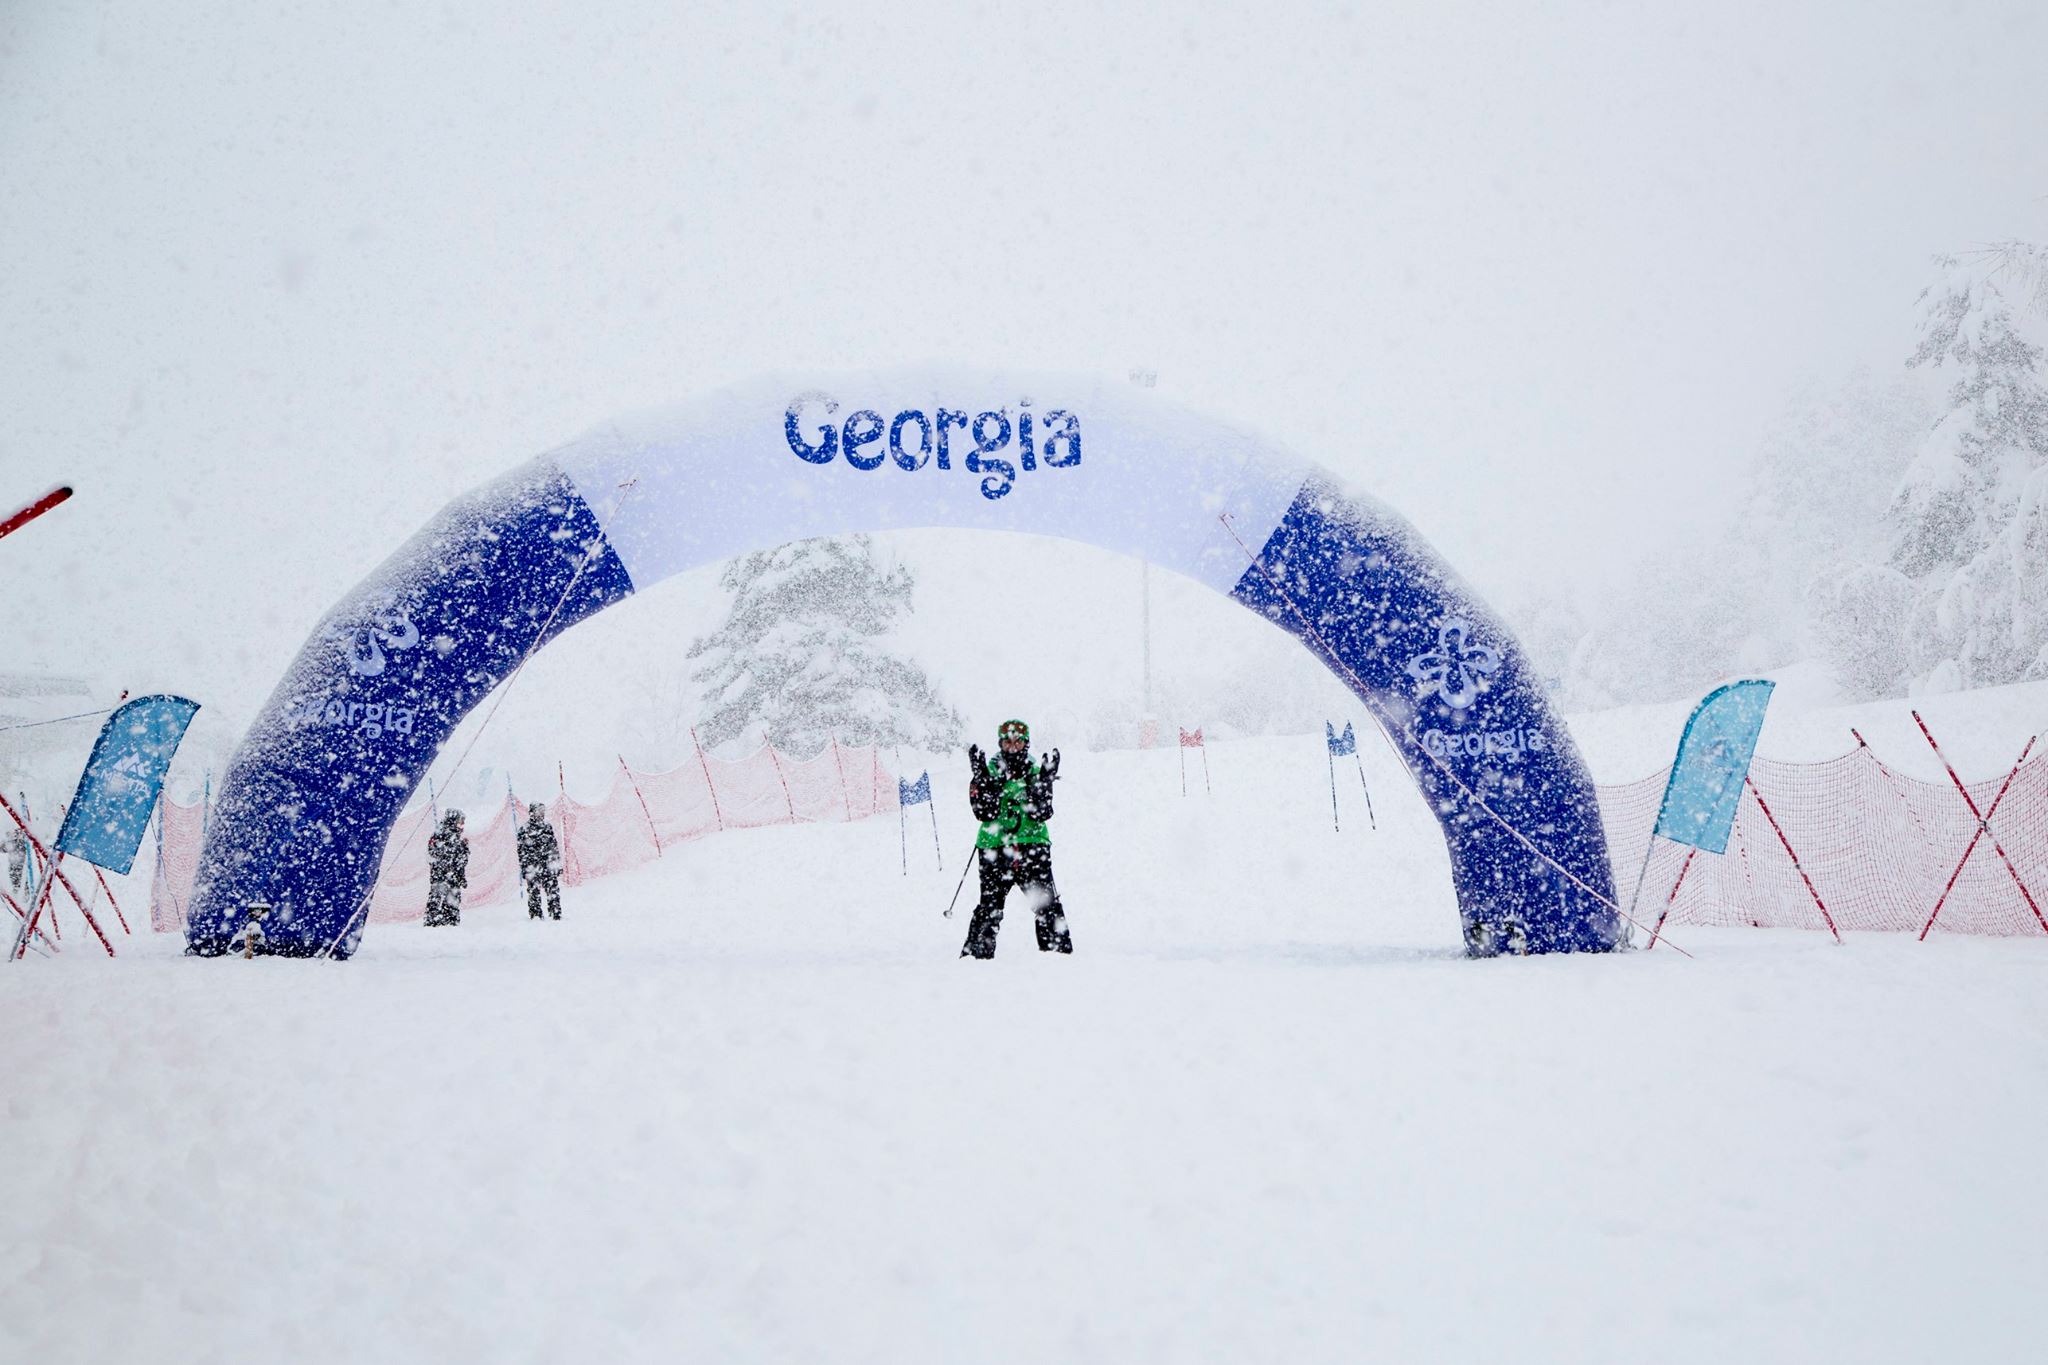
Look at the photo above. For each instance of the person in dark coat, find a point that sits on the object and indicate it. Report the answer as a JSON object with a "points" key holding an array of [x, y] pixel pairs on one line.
{"points": [[447, 871], [17, 858], [540, 863], [1012, 797]]}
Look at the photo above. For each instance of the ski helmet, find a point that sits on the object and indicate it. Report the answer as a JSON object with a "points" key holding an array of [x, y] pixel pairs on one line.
{"points": [[1013, 729]]}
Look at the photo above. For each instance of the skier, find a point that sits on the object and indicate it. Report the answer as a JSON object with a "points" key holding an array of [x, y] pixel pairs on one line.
{"points": [[1012, 797], [540, 863], [447, 870]]}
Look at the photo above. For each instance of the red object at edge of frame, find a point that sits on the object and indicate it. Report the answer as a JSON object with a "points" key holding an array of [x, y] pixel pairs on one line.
{"points": [[35, 509]]}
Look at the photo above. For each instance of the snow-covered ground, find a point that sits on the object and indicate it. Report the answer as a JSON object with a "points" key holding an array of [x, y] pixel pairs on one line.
{"points": [[745, 1104]]}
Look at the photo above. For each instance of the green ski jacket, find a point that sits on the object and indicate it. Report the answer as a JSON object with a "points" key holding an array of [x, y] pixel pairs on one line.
{"points": [[1012, 824]]}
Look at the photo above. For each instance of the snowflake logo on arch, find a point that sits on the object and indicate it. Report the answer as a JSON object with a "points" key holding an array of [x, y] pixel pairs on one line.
{"points": [[389, 627], [1456, 669]]}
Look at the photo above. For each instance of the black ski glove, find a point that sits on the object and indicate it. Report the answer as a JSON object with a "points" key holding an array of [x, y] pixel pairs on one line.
{"points": [[1049, 766]]}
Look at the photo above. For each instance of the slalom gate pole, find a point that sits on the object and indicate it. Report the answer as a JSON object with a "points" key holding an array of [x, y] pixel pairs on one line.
{"points": [[937, 852], [1206, 786], [1766, 809], [788, 804], [1335, 823], [634, 782], [1642, 872], [111, 901], [49, 883], [28, 929], [1672, 899], [845, 796], [1183, 769], [1370, 818], [957, 885], [1983, 823], [903, 834], [22, 915], [53, 875], [709, 785]]}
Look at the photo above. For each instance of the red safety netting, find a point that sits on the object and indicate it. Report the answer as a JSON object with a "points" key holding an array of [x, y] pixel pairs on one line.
{"points": [[1878, 846], [642, 815]]}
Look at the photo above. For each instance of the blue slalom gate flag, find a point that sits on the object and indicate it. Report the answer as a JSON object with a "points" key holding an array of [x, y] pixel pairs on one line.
{"points": [[914, 793], [1713, 760], [1340, 745], [110, 810]]}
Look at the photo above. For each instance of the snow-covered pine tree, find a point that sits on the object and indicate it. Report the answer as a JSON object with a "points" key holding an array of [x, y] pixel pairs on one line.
{"points": [[1969, 522], [802, 654]]}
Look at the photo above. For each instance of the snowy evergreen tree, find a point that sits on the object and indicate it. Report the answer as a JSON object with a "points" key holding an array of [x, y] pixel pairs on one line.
{"points": [[1784, 575], [1969, 522], [802, 654]]}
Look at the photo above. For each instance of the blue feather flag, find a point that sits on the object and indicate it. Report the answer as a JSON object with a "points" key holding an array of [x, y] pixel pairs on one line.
{"points": [[119, 787], [1713, 760]]}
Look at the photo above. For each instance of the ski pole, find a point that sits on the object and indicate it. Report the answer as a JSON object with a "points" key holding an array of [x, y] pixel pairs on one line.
{"points": [[962, 882]]}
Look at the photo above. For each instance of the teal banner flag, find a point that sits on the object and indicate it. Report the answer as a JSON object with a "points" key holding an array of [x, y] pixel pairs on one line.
{"points": [[119, 787], [1713, 759]]}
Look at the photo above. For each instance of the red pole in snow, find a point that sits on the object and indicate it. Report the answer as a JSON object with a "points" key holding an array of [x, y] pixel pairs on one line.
{"points": [[1762, 805], [1983, 826], [54, 873], [709, 785], [23, 516], [844, 795], [643, 804], [788, 804], [1672, 899], [111, 901], [22, 915]]}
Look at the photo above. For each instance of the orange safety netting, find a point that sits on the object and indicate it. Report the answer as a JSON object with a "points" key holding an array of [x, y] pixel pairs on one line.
{"points": [[639, 817]]}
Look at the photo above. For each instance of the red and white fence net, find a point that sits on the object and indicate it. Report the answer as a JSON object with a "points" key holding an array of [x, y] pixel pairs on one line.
{"points": [[642, 814], [1879, 846]]}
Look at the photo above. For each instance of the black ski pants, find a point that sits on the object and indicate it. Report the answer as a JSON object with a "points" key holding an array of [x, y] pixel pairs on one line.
{"points": [[536, 887], [1028, 867], [444, 903]]}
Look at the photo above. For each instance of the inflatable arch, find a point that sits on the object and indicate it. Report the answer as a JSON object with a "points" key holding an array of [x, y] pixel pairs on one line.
{"points": [[310, 798]]}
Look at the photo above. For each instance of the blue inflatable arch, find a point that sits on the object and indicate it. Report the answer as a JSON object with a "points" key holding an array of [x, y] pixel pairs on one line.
{"points": [[310, 798]]}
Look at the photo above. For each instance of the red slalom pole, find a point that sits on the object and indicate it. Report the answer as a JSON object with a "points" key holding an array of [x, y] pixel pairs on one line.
{"points": [[111, 901], [709, 785], [634, 782], [23, 516], [786, 801], [1762, 805], [22, 915], [1983, 823], [1672, 899], [55, 875]]}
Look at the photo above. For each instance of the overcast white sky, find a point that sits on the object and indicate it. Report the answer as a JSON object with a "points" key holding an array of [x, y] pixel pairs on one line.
{"points": [[279, 280]]}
